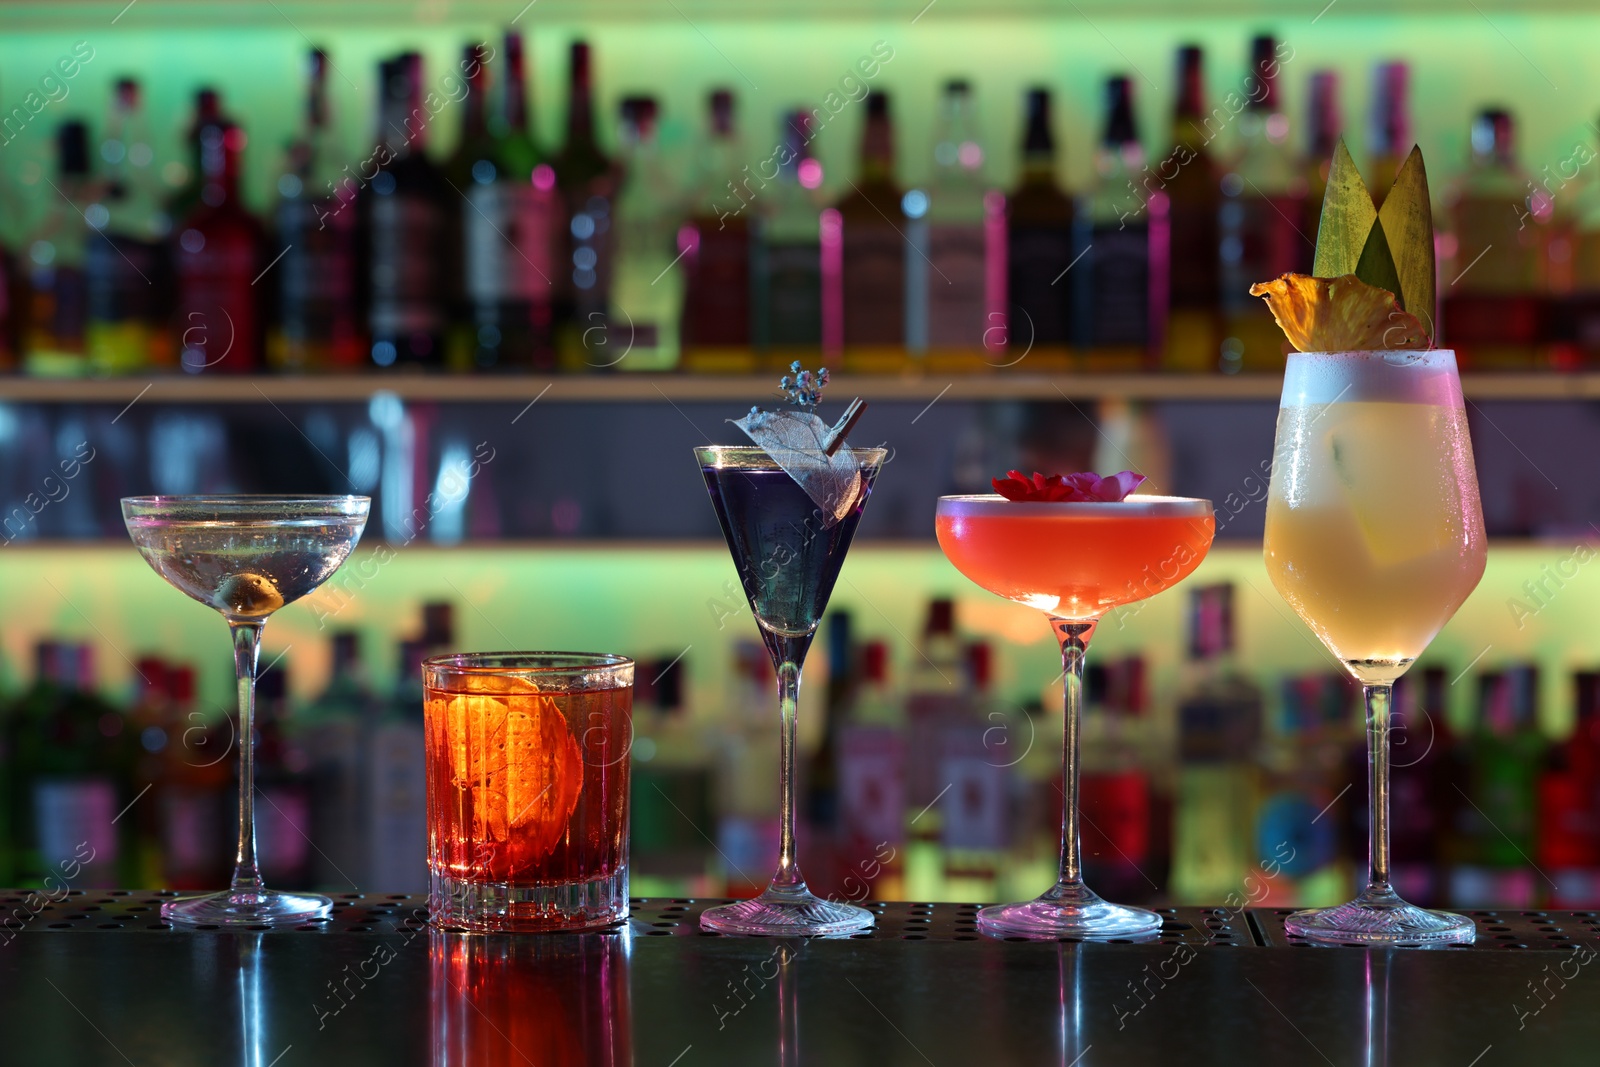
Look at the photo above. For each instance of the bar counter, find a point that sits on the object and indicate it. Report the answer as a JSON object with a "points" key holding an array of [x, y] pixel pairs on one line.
{"points": [[97, 978]]}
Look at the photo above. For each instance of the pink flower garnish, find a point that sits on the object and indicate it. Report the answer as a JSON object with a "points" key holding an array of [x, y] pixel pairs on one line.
{"points": [[1067, 488]]}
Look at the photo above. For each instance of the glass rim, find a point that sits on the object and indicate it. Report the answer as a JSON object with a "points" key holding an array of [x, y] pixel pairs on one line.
{"points": [[237, 499], [1146, 505], [713, 455], [516, 662]]}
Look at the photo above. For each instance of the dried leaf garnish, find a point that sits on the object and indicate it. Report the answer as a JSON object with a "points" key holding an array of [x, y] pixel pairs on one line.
{"points": [[1339, 315]]}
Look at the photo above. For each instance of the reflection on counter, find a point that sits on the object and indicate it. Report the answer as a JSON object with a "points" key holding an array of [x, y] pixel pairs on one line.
{"points": [[537, 1000], [1222, 756]]}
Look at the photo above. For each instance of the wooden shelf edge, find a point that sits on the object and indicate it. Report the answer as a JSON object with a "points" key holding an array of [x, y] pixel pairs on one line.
{"points": [[682, 388]]}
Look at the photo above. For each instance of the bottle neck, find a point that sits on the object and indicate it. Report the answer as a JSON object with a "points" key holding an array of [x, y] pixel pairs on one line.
{"points": [[877, 152], [516, 93], [580, 105], [219, 165]]}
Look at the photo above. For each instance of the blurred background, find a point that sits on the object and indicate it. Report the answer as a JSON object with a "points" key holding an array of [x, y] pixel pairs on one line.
{"points": [[500, 269]]}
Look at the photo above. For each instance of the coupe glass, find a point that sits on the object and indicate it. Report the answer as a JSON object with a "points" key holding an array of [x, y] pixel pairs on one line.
{"points": [[788, 558], [1074, 562], [1375, 537], [246, 556]]}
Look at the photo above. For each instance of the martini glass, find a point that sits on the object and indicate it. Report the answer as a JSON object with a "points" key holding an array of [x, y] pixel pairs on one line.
{"points": [[246, 556], [788, 556], [1375, 537], [1074, 562]]}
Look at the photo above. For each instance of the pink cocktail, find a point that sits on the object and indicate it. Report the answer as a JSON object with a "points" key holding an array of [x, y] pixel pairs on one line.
{"points": [[1074, 562]]}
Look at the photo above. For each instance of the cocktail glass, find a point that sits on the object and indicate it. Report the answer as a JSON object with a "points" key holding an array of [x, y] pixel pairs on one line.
{"points": [[246, 556], [1375, 537], [1074, 562], [528, 789], [788, 554]]}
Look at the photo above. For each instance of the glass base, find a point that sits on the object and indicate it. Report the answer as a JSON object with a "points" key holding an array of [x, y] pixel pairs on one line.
{"points": [[787, 915], [247, 907], [485, 907], [1068, 911], [1382, 919]]}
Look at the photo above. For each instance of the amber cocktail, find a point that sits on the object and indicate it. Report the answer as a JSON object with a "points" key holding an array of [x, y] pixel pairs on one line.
{"points": [[528, 789]]}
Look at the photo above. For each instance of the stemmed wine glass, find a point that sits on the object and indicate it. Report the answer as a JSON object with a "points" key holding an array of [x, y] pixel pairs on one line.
{"points": [[1375, 537], [1074, 561], [246, 556], [788, 554]]}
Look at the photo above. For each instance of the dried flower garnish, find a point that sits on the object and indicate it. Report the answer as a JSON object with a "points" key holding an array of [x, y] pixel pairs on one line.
{"points": [[814, 454], [1067, 488], [804, 390]]}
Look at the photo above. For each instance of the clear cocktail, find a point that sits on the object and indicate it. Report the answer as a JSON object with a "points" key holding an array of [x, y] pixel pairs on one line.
{"points": [[246, 556], [1074, 562]]}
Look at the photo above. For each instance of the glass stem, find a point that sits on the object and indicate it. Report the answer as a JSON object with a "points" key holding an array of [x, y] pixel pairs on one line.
{"points": [[246, 652], [1074, 637], [788, 877], [1378, 701]]}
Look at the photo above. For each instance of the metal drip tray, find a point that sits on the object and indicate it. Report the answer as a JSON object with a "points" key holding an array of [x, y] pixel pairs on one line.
{"points": [[25, 911], [1506, 928]]}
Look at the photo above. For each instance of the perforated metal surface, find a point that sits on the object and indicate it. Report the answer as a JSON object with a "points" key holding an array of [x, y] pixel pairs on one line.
{"points": [[33, 911], [24, 911], [911, 921], [1497, 929], [91, 910]]}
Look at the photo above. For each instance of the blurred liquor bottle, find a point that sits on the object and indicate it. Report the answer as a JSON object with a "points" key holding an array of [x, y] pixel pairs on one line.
{"points": [[1115, 312], [1389, 136], [407, 214], [962, 277], [1184, 200], [148, 719], [1263, 201], [1567, 834], [283, 787], [332, 730], [1493, 283], [1578, 325], [936, 700], [718, 279], [872, 779], [822, 768], [1505, 751], [587, 181], [190, 174], [1219, 730], [396, 805], [197, 806], [80, 782], [787, 259], [976, 810], [217, 257], [746, 771], [647, 284], [1117, 806], [1039, 247], [511, 236], [1422, 794], [128, 326], [474, 151], [864, 252], [53, 339], [318, 325], [25, 741], [1324, 127]]}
